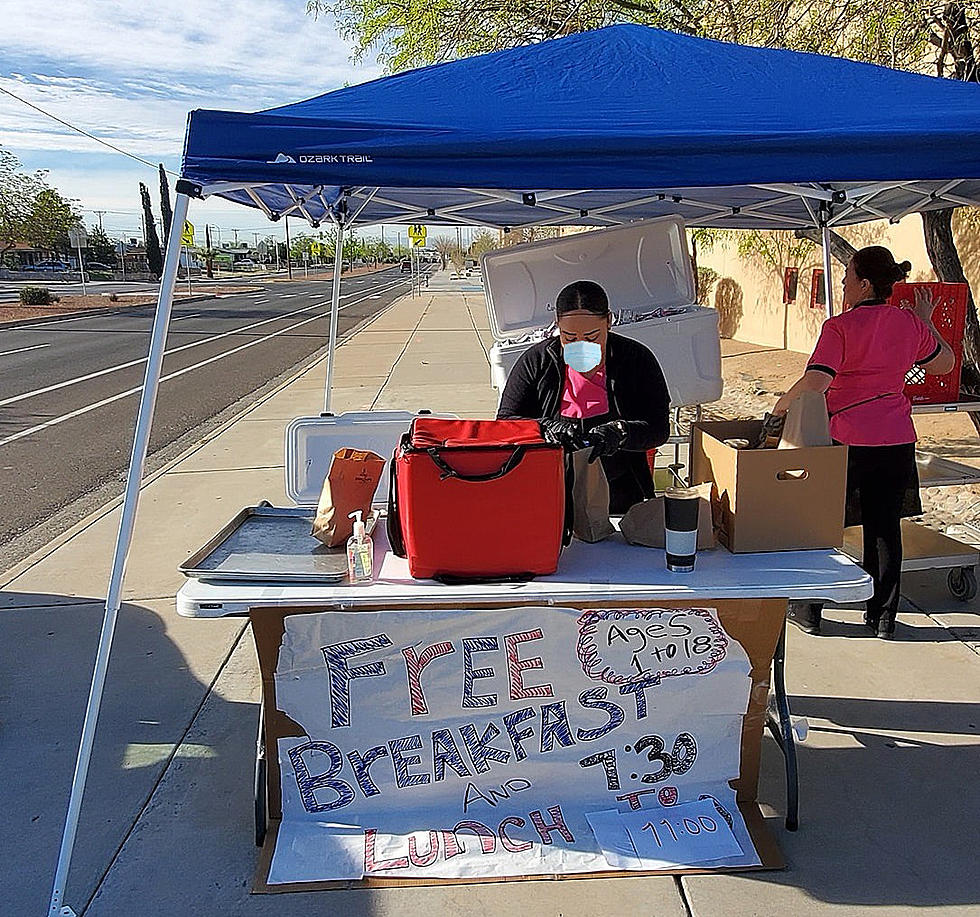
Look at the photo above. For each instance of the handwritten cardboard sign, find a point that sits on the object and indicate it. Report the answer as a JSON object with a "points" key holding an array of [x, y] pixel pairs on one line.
{"points": [[477, 743]]}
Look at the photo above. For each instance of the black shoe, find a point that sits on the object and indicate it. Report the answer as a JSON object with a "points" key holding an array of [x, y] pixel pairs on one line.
{"points": [[871, 619], [886, 626], [805, 615]]}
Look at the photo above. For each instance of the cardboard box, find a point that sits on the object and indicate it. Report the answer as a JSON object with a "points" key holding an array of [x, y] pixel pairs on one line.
{"points": [[770, 499]]}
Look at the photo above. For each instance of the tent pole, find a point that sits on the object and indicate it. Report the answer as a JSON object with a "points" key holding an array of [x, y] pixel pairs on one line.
{"points": [[124, 538], [338, 254], [828, 276]]}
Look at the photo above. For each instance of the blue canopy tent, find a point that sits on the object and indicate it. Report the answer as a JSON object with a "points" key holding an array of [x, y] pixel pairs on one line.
{"points": [[596, 129]]}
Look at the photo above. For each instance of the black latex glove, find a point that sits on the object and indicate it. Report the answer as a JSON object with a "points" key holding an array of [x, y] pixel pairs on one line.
{"points": [[562, 432], [606, 439]]}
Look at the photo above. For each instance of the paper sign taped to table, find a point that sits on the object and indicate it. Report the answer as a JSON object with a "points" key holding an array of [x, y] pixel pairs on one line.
{"points": [[488, 743]]}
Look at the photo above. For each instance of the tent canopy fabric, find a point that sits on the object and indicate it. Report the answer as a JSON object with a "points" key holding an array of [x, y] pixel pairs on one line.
{"points": [[636, 116]]}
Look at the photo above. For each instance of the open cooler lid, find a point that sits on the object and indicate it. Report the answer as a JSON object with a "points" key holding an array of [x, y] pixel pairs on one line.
{"points": [[312, 441], [643, 264]]}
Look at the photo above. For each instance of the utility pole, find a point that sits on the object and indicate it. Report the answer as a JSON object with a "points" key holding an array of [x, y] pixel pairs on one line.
{"points": [[289, 257], [99, 213], [235, 231]]}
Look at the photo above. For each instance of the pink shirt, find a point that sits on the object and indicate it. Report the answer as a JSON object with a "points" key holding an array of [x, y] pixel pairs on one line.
{"points": [[868, 350], [584, 397]]}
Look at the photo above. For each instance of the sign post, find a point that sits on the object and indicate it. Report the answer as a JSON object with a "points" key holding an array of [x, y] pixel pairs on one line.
{"points": [[78, 238], [417, 233], [187, 238]]}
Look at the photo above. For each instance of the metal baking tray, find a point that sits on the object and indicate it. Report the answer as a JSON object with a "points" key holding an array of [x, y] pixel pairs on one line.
{"points": [[272, 544]]}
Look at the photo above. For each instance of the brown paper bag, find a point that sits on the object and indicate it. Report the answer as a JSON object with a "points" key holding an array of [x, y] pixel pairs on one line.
{"points": [[349, 486], [643, 524], [590, 499], [807, 423]]}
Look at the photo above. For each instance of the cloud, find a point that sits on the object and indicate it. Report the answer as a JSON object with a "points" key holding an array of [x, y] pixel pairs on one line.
{"points": [[266, 45], [129, 73]]}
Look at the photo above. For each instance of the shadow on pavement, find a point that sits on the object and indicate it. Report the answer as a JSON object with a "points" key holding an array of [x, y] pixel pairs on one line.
{"points": [[47, 653], [890, 820]]}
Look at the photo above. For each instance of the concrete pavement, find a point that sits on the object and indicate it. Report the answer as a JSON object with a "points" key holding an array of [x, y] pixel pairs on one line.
{"points": [[889, 791]]}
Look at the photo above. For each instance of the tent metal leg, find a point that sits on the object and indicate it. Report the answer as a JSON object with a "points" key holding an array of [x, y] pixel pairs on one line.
{"points": [[338, 256], [141, 442], [828, 273]]}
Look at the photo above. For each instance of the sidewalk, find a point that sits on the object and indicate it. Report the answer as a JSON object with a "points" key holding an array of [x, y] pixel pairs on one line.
{"points": [[889, 786]]}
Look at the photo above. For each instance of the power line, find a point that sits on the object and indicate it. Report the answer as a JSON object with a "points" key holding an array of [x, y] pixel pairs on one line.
{"points": [[84, 133]]}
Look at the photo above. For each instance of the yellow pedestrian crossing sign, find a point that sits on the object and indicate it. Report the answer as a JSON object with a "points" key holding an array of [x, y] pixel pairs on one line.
{"points": [[187, 235], [417, 233]]}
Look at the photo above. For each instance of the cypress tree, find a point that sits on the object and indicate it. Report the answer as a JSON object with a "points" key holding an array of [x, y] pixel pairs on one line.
{"points": [[166, 211], [154, 256]]}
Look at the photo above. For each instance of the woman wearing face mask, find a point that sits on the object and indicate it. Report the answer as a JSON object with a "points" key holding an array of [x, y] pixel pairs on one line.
{"points": [[860, 362], [591, 386]]}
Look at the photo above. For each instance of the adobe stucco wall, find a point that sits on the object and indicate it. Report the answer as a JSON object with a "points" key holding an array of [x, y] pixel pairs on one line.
{"points": [[765, 320]]}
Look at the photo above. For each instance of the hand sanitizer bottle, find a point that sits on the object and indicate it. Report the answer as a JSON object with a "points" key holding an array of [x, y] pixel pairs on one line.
{"points": [[360, 552]]}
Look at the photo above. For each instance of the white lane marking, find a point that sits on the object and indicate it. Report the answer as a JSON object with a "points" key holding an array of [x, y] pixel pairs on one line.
{"points": [[182, 317], [7, 353], [111, 369], [180, 372]]}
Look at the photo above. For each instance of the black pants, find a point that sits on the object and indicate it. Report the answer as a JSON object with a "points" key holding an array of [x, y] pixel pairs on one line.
{"points": [[880, 480]]}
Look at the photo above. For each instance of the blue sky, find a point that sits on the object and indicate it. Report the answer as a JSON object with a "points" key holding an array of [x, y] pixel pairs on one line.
{"points": [[130, 71]]}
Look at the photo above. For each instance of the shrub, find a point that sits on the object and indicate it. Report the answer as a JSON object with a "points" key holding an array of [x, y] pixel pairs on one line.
{"points": [[728, 302], [113, 297], [98, 275], [36, 296], [706, 279]]}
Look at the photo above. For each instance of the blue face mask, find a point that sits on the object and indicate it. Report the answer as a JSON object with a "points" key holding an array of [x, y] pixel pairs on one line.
{"points": [[582, 356]]}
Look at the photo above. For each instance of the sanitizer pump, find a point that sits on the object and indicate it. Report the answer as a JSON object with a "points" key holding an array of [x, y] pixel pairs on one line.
{"points": [[360, 552]]}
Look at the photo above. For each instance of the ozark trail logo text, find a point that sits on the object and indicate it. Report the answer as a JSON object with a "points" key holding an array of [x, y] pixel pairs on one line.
{"points": [[328, 158]]}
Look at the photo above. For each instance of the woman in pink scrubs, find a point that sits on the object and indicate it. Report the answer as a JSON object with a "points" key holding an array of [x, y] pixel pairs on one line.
{"points": [[590, 387], [860, 362]]}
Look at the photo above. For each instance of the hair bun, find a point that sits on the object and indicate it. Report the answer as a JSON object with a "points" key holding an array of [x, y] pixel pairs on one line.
{"points": [[903, 269]]}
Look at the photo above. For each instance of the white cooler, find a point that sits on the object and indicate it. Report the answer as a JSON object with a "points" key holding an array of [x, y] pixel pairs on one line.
{"points": [[642, 267]]}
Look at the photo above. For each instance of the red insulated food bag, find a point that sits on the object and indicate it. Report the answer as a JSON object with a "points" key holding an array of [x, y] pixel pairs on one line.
{"points": [[477, 499]]}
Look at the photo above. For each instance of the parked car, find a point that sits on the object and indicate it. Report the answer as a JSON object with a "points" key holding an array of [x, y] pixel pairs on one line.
{"points": [[246, 264], [99, 266], [51, 266], [406, 266]]}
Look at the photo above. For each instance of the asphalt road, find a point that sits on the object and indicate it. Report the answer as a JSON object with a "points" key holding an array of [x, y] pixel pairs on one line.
{"points": [[69, 389]]}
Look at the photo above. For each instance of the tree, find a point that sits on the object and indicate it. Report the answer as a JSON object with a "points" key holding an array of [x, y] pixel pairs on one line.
{"points": [[30, 210], [154, 257], [17, 193], [458, 258], [483, 242], [50, 219], [100, 247], [166, 212], [445, 246], [300, 243]]}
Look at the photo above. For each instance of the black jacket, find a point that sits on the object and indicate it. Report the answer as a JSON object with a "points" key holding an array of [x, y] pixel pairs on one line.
{"points": [[637, 395]]}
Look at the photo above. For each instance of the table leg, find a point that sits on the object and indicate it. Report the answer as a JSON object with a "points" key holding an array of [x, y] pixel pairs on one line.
{"points": [[781, 728], [260, 788]]}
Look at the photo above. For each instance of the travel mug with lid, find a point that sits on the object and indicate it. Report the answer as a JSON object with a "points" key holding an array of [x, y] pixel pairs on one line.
{"points": [[681, 506]]}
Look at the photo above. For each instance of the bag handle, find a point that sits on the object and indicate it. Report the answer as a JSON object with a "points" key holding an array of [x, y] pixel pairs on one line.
{"points": [[393, 524], [449, 472], [858, 404]]}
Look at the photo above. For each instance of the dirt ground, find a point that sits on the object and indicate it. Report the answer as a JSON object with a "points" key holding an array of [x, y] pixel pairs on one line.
{"points": [[69, 304], [15, 312], [756, 376]]}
